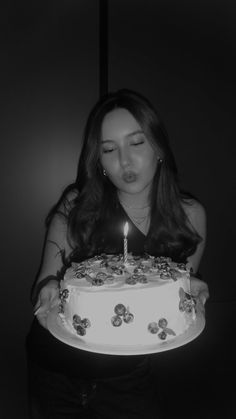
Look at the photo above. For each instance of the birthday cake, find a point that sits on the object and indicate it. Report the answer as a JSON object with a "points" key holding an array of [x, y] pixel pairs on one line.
{"points": [[146, 300]]}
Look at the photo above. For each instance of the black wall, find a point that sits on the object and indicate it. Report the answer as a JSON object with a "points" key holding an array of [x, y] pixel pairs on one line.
{"points": [[49, 82], [182, 56], [179, 54]]}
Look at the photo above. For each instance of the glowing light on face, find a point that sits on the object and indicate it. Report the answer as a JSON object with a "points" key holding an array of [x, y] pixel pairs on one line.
{"points": [[127, 156]]}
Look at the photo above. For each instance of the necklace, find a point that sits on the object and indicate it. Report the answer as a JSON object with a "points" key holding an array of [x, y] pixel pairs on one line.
{"points": [[138, 220], [140, 217], [134, 208], [142, 223]]}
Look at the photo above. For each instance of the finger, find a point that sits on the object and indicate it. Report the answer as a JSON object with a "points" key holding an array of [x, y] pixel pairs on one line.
{"points": [[43, 305], [203, 296], [37, 307], [200, 307], [42, 314], [43, 308], [198, 287], [42, 319], [55, 302], [37, 311]]}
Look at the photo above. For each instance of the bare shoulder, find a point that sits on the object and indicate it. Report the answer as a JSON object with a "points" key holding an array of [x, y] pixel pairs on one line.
{"points": [[194, 209], [196, 215]]}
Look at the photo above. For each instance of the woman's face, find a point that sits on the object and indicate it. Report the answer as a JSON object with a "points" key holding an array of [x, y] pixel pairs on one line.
{"points": [[127, 156]]}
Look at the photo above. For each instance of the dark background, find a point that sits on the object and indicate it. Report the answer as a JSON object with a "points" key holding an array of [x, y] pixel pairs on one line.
{"points": [[182, 56]]}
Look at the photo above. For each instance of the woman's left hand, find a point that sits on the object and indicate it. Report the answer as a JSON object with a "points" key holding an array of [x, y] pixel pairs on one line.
{"points": [[199, 290]]}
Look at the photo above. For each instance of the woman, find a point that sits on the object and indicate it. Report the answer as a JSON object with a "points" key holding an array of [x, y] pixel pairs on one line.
{"points": [[126, 172]]}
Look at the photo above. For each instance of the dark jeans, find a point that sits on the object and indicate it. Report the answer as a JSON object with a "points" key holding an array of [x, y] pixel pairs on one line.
{"points": [[56, 396]]}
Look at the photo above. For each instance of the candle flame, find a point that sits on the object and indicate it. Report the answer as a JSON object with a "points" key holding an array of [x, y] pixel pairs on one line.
{"points": [[126, 229]]}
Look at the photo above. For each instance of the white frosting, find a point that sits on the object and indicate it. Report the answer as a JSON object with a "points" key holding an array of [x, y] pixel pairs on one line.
{"points": [[148, 303]]}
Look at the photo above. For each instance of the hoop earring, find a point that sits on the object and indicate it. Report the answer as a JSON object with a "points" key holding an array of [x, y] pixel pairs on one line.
{"points": [[104, 172]]}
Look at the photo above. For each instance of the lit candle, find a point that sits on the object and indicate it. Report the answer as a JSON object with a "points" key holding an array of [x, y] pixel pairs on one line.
{"points": [[126, 229]]}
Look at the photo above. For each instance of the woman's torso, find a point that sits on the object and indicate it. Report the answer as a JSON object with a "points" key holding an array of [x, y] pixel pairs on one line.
{"points": [[50, 353], [46, 350]]}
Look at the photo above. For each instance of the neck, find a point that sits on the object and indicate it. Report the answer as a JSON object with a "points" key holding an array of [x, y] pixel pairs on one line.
{"points": [[134, 201]]}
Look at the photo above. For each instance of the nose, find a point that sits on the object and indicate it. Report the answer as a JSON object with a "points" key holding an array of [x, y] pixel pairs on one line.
{"points": [[124, 156]]}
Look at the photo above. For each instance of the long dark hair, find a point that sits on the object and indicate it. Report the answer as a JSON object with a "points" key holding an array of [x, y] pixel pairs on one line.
{"points": [[96, 197]]}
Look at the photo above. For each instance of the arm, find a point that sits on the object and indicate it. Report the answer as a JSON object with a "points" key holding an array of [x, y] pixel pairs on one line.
{"points": [[197, 218], [46, 290]]}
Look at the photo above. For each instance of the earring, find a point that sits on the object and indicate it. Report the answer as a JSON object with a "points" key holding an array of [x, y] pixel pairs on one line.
{"points": [[160, 160], [104, 172]]}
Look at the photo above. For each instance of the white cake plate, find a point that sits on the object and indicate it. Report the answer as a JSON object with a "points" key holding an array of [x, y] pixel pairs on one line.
{"points": [[59, 329]]}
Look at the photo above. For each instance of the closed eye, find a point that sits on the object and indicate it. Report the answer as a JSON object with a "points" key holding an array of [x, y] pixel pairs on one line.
{"points": [[138, 143], [108, 150], [108, 146]]}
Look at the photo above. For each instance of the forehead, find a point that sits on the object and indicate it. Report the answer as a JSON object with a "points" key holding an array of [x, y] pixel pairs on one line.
{"points": [[119, 122]]}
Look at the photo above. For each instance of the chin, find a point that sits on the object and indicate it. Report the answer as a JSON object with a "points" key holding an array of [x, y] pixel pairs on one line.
{"points": [[132, 189]]}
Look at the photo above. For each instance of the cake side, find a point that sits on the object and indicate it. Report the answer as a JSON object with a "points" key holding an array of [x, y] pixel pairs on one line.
{"points": [[140, 304]]}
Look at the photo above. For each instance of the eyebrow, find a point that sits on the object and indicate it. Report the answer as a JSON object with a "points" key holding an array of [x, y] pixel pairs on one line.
{"points": [[139, 131], [131, 134]]}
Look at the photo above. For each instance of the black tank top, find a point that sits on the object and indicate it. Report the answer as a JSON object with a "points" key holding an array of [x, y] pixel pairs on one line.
{"points": [[108, 238]]}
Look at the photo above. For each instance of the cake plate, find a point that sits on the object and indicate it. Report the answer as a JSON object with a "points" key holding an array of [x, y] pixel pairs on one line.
{"points": [[59, 329]]}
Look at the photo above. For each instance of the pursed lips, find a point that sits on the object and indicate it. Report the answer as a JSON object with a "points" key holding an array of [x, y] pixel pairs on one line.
{"points": [[129, 176]]}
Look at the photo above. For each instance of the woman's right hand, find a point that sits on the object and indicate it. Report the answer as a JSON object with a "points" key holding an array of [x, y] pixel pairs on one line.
{"points": [[200, 291], [48, 297]]}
